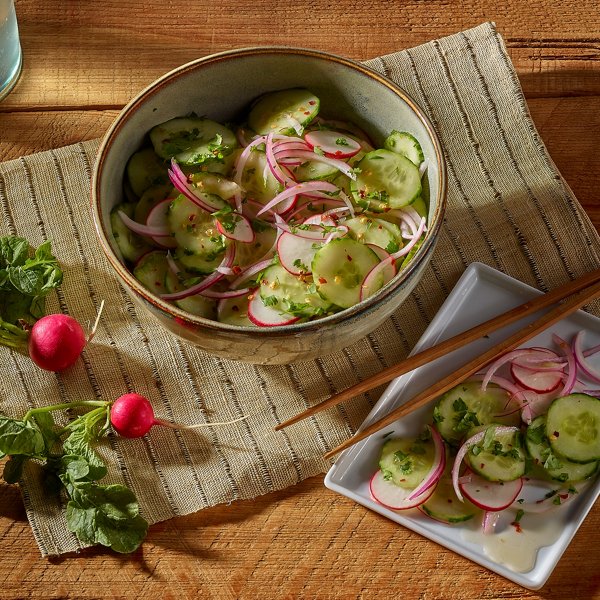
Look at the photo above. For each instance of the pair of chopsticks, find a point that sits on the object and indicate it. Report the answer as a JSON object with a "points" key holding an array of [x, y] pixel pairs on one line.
{"points": [[572, 296]]}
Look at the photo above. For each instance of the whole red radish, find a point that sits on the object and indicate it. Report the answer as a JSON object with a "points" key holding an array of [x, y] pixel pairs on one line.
{"points": [[132, 415], [55, 342]]}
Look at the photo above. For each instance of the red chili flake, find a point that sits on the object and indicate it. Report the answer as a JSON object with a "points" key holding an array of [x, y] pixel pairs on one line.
{"points": [[157, 283], [235, 308], [307, 112], [563, 496], [517, 526], [556, 434], [236, 269], [349, 257], [312, 102], [322, 280], [481, 466], [338, 152], [192, 217], [361, 193]]}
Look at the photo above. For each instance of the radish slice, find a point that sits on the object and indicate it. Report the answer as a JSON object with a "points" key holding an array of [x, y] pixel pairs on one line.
{"points": [[333, 143], [537, 381], [489, 495], [296, 253], [462, 451], [437, 467], [240, 229], [157, 217], [393, 496], [266, 316]]}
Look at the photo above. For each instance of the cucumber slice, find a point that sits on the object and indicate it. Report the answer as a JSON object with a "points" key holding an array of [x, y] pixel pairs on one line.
{"points": [[150, 198], [290, 294], [554, 466], [339, 269], [214, 184], [499, 457], [151, 271], [420, 206], [406, 144], [146, 169], [466, 406], [264, 238], [257, 179], [196, 305], [313, 170], [200, 245], [406, 461], [193, 140], [283, 112], [131, 245], [386, 178], [444, 506], [381, 233], [234, 311], [573, 427]]}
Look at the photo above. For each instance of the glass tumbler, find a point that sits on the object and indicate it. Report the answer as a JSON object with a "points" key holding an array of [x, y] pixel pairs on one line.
{"points": [[10, 47]]}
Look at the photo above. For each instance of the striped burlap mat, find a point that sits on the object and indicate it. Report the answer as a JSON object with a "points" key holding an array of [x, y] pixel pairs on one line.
{"points": [[507, 207]]}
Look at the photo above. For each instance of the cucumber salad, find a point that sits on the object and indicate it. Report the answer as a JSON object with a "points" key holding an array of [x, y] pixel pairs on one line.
{"points": [[524, 436], [284, 218]]}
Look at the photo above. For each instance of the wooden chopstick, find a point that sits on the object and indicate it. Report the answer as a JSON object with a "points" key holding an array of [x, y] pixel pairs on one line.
{"points": [[550, 318], [430, 354]]}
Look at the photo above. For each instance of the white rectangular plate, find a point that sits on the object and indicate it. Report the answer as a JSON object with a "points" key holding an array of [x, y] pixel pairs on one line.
{"points": [[480, 294]]}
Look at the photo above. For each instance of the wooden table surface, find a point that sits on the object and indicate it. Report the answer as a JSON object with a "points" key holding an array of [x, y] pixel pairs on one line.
{"points": [[82, 62]]}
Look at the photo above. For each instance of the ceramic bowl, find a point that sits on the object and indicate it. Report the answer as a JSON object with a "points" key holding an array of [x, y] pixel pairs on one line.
{"points": [[221, 87]]}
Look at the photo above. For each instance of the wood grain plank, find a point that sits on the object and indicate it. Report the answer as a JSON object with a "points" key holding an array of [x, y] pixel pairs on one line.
{"points": [[556, 53]]}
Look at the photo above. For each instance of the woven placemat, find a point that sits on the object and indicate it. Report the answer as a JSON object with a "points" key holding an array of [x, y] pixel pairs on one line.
{"points": [[508, 207]]}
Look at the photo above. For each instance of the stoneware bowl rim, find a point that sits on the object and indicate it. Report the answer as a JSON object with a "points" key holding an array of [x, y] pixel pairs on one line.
{"points": [[102, 228]]}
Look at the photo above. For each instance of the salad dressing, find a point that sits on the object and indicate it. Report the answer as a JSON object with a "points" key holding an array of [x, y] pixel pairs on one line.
{"points": [[516, 547]]}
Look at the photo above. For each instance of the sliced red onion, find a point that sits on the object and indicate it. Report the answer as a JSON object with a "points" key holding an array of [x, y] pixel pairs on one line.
{"points": [[144, 229], [319, 220], [408, 247], [298, 189], [387, 267], [571, 365], [423, 167], [157, 218], [272, 165], [501, 382], [505, 358], [591, 371], [240, 165], [462, 451], [180, 182], [340, 165], [251, 270], [226, 294], [207, 281], [489, 521], [437, 467]]}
